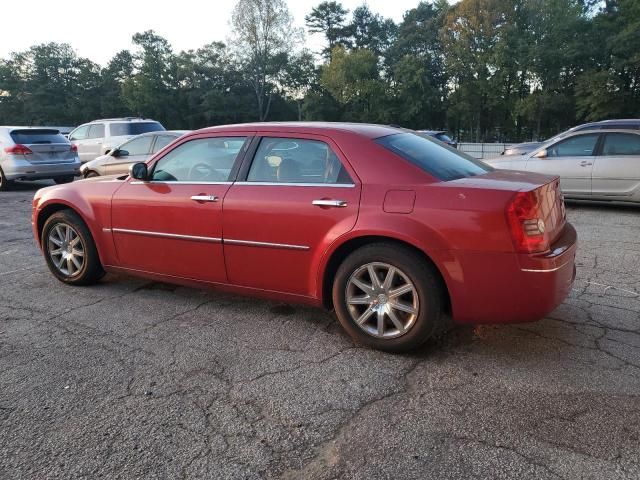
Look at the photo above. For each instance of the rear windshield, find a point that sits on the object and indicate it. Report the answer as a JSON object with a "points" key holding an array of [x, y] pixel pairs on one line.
{"points": [[134, 128], [37, 136], [441, 161]]}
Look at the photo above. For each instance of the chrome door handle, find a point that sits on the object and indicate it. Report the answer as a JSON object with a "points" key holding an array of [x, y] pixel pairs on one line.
{"points": [[329, 203], [585, 163], [204, 198]]}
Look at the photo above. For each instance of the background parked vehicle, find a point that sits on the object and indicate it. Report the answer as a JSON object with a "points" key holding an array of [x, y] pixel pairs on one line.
{"points": [[99, 137], [394, 230], [138, 149], [592, 164], [442, 136], [524, 148], [34, 154]]}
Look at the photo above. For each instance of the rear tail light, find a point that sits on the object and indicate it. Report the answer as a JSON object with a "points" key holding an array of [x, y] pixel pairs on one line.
{"points": [[74, 148], [526, 222], [18, 149]]}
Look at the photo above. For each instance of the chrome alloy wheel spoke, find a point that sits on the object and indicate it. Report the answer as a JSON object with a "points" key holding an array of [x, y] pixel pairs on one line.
{"points": [[66, 249], [382, 300]]}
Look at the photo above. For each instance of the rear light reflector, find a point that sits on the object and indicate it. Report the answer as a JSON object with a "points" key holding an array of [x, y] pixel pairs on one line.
{"points": [[74, 148], [18, 149], [526, 222]]}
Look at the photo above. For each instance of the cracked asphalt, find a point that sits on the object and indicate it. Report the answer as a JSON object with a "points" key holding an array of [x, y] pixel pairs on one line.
{"points": [[137, 379]]}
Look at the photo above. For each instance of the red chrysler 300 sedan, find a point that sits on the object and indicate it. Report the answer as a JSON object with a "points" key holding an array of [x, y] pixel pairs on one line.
{"points": [[394, 230]]}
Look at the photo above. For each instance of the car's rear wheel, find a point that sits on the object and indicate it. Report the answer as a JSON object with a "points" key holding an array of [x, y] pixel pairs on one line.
{"points": [[69, 249], [91, 174], [4, 183], [388, 297], [65, 179]]}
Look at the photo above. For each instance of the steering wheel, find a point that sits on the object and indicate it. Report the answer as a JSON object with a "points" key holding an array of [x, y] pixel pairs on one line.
{"points": [[202, 171]]}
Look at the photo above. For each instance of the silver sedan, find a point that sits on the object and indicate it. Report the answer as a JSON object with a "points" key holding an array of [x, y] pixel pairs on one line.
{"points": [[138, 149], [592, 165]]}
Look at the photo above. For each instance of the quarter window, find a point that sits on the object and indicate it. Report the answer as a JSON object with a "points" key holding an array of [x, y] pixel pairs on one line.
{"points": [[579, 146], [621, 144], [203, 160], [296, 160]]}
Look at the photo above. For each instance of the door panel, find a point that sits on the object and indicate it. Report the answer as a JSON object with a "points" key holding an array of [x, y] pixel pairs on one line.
{"points": [[291, 229], [571, 159], [617, 170], [158, 228]]}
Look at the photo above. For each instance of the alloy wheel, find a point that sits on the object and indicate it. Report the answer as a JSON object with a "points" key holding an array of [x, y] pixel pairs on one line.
{"points": [[382, 300], [66, 249]]}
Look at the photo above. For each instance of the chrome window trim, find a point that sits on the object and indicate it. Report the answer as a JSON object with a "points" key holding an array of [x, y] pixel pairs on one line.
{"points": [[156, 182], [250, 243], [285, 184], [167, 235]]}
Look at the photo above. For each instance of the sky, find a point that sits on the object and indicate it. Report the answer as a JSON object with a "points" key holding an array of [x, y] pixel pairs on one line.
{"points": [[97, 30]]}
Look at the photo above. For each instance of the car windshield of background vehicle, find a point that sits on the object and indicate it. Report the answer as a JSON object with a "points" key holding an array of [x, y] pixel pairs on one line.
{"points": [[621, 144], [31, 137], [134, 128], [206, 160], [443, 162], [296, 160]]}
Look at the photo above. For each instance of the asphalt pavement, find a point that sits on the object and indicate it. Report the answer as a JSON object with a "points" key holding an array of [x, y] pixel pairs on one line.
{"points": [[138, 379]]}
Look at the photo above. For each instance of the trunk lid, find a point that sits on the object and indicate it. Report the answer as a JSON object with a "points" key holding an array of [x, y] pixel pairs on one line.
{"points": [[46, 145]]}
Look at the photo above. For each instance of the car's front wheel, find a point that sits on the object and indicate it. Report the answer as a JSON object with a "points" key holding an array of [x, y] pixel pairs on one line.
{"points": [[389, 298], [69, 249], [91, 174]]}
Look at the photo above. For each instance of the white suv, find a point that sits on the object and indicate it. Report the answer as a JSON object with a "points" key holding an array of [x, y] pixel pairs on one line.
{"points": [[101, 136]]}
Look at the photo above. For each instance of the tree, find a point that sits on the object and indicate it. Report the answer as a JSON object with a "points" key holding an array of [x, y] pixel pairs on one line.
{"points": [[263, 36], [371, 31], [328, 18]]}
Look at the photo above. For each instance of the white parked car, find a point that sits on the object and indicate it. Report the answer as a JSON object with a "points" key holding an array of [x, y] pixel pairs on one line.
{"points": [[592, 165], [99, 137]]}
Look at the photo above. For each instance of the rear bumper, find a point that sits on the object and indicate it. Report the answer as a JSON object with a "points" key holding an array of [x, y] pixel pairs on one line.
{"points": [[512, 288], [22, 170]]}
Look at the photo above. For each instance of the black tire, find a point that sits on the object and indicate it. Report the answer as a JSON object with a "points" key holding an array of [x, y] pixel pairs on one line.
{"points": [[4, 183], [65, 179], [410, 269], [90, 270], [91, 174]]}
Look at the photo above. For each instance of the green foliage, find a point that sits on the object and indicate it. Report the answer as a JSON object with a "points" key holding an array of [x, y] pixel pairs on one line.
{"points": [[484, 69]]}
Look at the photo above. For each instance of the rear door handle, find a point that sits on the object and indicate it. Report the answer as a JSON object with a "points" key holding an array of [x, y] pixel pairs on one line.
{"points": [[329, 203], [585, 163], [204, 198]]}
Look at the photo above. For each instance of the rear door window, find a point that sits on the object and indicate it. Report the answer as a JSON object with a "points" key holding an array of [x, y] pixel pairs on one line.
{"points": [[162, 141], [296, 160], [31, 137], [440, 161], [137, 146], [621, 144]]}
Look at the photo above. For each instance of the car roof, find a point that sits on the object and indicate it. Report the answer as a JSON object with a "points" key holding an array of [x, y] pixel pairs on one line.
{"points": [[364, 129], [432, 132], [122, 119], [171, 133]]}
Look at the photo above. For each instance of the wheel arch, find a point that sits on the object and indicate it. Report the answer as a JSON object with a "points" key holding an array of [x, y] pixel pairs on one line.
{"points": [[338, 255]]}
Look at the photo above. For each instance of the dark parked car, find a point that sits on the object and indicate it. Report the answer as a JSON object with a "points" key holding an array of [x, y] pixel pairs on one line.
{"points": [[394, 231], [442, 136], [624, 124]]}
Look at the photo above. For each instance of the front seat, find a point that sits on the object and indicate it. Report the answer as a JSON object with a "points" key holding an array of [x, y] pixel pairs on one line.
{"points": [[289, 171]]}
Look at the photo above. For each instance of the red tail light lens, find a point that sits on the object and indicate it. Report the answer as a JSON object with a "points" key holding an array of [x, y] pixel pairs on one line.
{"points": [[527, 226], [18, 149], [74, 148]]}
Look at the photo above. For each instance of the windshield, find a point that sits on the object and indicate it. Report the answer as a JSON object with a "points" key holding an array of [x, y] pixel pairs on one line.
{"points": [[134, 128], [441, 161]]}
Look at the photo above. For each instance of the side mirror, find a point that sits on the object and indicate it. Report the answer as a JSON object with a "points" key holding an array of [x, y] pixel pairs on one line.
{"points": [[119, 153], [541, 154], [139, 171]]}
